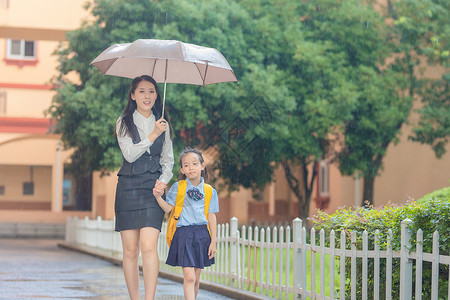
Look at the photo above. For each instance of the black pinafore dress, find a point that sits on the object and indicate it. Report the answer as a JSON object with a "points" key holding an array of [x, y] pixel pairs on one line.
{"points": [[135, 206]]}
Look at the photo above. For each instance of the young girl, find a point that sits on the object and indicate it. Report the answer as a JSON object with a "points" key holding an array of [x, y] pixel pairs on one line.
{"points": [[144, 138], [192, 246]]}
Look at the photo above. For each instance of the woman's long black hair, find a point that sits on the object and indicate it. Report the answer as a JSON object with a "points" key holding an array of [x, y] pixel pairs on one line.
{"points": [[127, 115]]}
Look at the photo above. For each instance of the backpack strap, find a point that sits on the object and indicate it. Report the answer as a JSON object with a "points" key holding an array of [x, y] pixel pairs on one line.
{"points": [[208, 195], [176, 211], [179, 202]]}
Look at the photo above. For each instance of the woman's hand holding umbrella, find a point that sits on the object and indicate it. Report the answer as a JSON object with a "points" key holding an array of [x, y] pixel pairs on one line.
{"points": [[160, 127]]}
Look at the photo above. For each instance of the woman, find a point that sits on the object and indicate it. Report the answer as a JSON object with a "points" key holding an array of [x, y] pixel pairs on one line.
{"points": [[144, 139]]}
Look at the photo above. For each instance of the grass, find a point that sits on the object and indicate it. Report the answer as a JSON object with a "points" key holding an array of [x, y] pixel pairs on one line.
{"points": [[252, 271]]}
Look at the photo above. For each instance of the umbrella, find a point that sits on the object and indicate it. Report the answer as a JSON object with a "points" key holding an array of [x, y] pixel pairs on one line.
{"points": [[167, 61]]}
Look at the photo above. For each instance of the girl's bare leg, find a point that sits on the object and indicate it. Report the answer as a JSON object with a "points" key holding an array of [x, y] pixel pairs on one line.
{"points": [[130, 245], [189, 283], [148, 242], [197, 280]]}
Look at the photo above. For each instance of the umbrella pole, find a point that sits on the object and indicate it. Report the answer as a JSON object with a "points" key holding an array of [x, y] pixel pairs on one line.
{"points": [[164, 97]]}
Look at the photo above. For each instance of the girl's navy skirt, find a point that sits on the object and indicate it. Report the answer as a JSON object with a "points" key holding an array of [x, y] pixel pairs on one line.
{"points": [[189, 247]]}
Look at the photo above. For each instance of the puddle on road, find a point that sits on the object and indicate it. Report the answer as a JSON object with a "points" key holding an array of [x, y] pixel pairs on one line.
{"points": [[52, 273]]}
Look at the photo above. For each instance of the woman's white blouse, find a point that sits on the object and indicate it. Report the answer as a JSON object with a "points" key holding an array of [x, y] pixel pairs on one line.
{"points": [[131, 152]]}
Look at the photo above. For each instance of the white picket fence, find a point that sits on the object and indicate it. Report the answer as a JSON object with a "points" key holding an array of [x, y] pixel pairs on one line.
{"points": [[276, 262]]}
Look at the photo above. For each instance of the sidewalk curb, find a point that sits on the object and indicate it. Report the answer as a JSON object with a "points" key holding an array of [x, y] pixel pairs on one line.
{"points": [[209, 286]]}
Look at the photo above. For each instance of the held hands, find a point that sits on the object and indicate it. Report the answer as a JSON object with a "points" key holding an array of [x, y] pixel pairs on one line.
{"points": [[158, 191], [159, 188]]}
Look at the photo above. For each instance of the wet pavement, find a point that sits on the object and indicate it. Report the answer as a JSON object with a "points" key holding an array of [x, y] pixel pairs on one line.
{"points": [[39, 269]]}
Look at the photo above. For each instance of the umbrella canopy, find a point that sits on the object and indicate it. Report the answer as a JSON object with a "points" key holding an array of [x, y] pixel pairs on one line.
{"points": [[167, 61]]}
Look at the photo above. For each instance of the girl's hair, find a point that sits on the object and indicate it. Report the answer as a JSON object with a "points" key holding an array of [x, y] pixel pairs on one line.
{"points": [[187, 150], [127, 115]]}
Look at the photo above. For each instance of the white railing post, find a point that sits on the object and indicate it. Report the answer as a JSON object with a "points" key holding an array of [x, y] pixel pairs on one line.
{"points": [[303, 264], [353, 274], [405, 263], [233, 250], [70, 230], [365, 263], [332, 258], [288, 265], [91, 232], [297, 227], [419, 264], [268, 247], [342, 267], [322, 263], [376, 275], [435, 268], [389, 256], [78, 230], [106, 233], [98, 232], [261, 260]]}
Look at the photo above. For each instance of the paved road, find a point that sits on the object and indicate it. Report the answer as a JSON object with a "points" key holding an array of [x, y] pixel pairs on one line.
{"points": [[39, 269]]}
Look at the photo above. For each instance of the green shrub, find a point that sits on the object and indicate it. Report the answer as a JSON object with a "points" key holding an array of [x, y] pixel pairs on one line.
{"points": [[430, 216], [438, 194]]}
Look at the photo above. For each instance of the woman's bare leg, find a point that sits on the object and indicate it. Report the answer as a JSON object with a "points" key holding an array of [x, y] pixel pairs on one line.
{"points": [[148, 239], [189, 283], [130, 245]]}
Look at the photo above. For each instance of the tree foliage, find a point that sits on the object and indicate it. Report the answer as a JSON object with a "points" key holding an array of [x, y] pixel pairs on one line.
{"points": [[308, 74], [421, 33], [377, 120]]}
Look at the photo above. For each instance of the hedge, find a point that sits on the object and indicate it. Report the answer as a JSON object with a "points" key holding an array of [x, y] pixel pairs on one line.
{"points": [[432, 214], [438, 194]]}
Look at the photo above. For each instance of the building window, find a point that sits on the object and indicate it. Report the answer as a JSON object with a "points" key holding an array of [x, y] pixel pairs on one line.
{"points": [[28, 186], [323, 178], [21, 50], [322, 198]]}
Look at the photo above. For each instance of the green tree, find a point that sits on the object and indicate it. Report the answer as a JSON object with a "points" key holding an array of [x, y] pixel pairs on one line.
{"points": [[376, 123], [356, 33], [422, 32], [86, 109], [413, 42], [297, 64]]}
